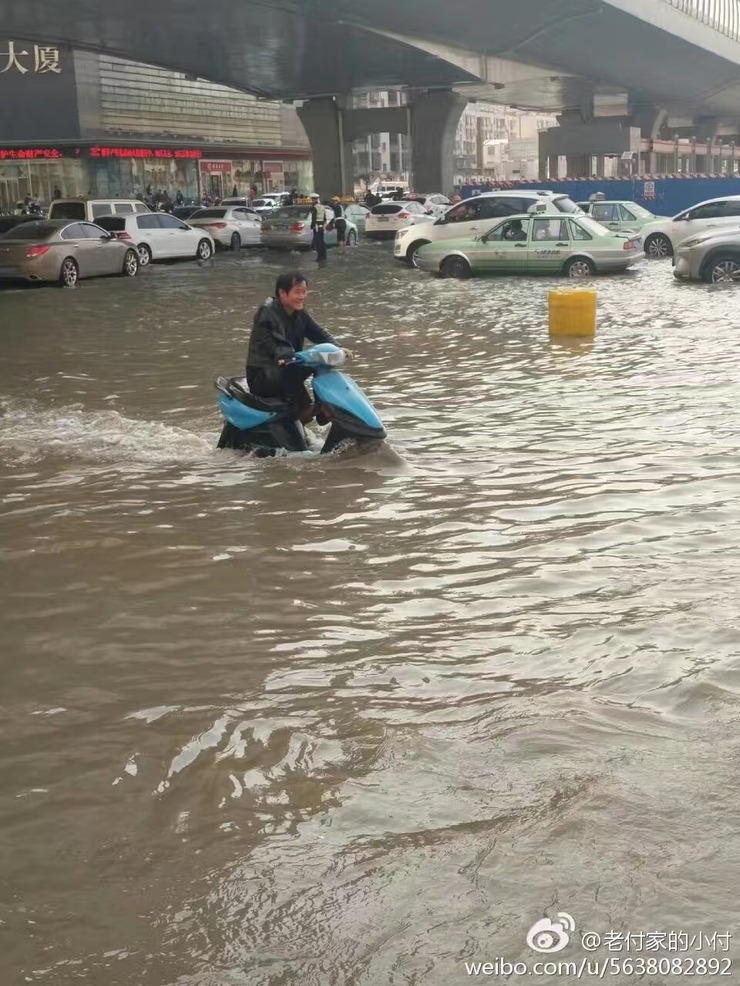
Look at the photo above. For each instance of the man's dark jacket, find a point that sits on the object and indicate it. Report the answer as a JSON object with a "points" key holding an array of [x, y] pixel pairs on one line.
{"points": [[277, 335]]}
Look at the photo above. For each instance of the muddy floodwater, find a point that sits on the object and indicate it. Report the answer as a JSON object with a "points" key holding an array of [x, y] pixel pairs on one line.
{"points": [[361, 720]]}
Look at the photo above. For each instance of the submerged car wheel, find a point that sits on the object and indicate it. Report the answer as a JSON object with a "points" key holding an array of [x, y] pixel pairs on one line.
{"points": [[724, 270], [236, 242], [411, 252], [204, 250], [145, 254], [130, 264], [579, 267], [658, 246], [69, 273], [455, 267]]}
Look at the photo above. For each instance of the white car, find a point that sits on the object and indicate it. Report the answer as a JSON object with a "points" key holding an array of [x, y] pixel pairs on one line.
{"points": [[231, 227], [660, 238], [160, 236], [386, 219], [476, 215], [387, 189], [271, 200], [436, 204], [242, 200]]}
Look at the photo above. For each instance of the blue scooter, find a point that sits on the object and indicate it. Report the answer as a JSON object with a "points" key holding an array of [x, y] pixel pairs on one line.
{"points": [[267, 424]]}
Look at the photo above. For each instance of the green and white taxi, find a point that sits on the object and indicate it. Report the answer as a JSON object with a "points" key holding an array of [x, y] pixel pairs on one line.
{"points": [[574, 246], [618, 214]]}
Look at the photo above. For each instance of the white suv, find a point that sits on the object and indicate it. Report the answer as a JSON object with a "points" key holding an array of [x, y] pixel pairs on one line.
{"points": [[660, 238], [476, 215]]}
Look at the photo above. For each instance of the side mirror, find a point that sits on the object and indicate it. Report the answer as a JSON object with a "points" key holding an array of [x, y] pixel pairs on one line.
{"points": [[109, 236]]}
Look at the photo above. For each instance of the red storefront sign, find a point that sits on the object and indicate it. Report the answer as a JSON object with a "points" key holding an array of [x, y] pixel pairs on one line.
{"points": [[144, 152], [215, 167], [30, 153]]}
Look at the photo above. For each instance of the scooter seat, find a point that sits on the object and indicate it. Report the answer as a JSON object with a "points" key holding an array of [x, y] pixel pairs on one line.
{"points": [[237, 387]]}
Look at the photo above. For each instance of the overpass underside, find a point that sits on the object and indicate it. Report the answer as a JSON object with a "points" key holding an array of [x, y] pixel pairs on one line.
{"points": [[640, 63]]}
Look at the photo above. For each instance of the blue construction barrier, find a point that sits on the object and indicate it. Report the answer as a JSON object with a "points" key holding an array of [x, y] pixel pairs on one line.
{"points": [[664, 196]]}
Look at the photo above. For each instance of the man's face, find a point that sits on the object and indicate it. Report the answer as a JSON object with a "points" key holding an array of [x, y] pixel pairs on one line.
{"points": [[295, 299]]}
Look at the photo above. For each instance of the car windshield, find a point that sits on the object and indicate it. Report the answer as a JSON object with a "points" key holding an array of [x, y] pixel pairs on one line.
{"points": [[30, 231], [292, 212], [209, 214], [564, 204], [592, 226], [259, 203]]}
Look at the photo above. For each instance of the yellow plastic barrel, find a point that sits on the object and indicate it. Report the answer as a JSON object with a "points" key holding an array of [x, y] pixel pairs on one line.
{"points": [[572, 312]]}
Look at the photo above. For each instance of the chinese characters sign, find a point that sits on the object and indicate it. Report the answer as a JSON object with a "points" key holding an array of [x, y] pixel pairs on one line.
{"points": [[23, 58], [145, 152], [50, 153], [29, 153]]}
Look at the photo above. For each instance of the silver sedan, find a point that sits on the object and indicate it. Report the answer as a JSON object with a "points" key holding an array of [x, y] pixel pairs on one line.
{"points": [[64, 251], [711, 257], [232, 227], [289, 228]]}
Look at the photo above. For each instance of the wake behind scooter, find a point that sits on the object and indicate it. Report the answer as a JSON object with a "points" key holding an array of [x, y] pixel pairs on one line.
{"points": [[266, 425]]}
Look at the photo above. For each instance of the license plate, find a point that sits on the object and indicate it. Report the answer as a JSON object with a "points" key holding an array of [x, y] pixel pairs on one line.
{"points": [[383, 219], [7, 270]]}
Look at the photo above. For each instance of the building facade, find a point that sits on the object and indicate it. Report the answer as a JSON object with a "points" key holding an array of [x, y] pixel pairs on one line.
{"points": [[381, 155], [492, 142], [498, 142], [88, 124]]}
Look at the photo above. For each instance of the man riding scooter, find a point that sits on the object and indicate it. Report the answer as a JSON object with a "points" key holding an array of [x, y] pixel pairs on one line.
{"points": [[280, 329]]}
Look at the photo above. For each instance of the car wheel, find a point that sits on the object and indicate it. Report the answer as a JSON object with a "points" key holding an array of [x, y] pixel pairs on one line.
{"points": [[130, 264], [204, 251], [69, 272], [351, 238], [145, 255], [658, 246], [723, 270], [236, 242], [579, 267], [455, 267], [410, 253]]}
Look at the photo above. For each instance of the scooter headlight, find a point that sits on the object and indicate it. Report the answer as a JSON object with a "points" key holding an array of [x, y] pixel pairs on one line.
{"points": [[330, 359]]}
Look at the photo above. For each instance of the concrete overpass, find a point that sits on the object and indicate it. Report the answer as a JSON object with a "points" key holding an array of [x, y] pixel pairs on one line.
{"points": [[615, 70]]}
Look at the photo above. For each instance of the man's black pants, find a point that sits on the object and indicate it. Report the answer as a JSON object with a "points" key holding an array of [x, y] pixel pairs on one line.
{"points": [[287, 382], [318, 243]]}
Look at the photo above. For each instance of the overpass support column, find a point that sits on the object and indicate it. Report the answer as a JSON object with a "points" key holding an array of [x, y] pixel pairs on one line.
{"points": [[434, 119], [323, 120]]}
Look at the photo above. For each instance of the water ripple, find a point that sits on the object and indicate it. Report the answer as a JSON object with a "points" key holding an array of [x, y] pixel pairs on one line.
{"points": [[359, 719]]}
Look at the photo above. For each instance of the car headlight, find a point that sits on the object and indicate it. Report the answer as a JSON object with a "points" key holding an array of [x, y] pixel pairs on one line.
{"points": [[688, 244]]}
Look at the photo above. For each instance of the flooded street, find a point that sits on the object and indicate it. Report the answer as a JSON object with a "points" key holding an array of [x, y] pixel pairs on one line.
{"points": [[354, 721]]}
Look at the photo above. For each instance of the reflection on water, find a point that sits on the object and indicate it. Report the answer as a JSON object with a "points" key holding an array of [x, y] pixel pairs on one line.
{"points": [[358, 719]]}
